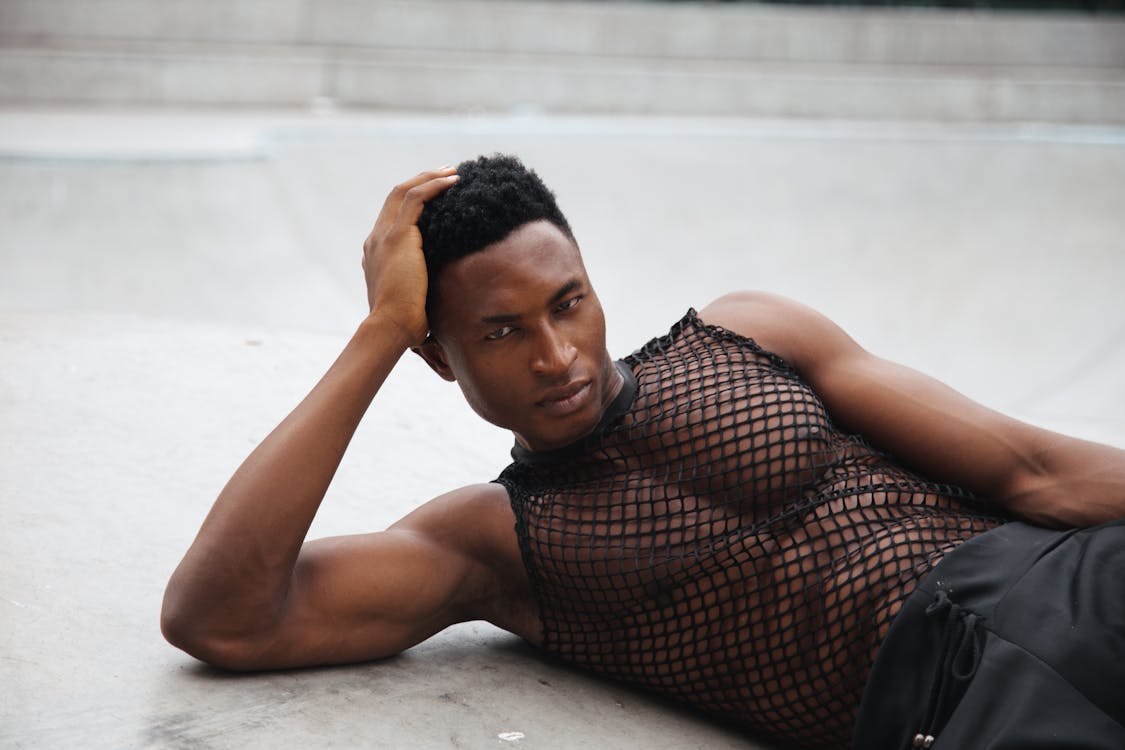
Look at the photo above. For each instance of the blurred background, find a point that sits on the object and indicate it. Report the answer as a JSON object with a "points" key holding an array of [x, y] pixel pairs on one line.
{"points": [[913, 61], [185, 186]]}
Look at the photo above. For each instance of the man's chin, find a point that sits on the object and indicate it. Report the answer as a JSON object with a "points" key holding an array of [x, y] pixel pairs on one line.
{"points": [[561, 436]]}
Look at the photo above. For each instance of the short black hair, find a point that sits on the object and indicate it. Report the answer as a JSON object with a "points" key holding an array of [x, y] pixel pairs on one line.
{"points": [[494, 196]]}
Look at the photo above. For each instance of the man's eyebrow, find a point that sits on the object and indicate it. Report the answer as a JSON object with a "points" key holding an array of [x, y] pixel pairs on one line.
{"points": [[564, 290], [503, 318], [490, 320]]}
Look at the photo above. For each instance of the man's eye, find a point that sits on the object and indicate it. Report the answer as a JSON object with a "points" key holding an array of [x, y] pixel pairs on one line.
{"points": [[499, 333], [570, 304]]}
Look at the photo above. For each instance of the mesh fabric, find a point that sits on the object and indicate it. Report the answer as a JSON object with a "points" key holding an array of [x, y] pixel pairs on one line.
{"points": [[719, 541]]}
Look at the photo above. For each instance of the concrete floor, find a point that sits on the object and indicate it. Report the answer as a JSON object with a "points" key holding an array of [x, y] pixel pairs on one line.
{"points": [[171, 284]]}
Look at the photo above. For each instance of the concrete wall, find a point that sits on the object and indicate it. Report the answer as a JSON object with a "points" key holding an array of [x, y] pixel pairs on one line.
{"points": [[476, 55]]}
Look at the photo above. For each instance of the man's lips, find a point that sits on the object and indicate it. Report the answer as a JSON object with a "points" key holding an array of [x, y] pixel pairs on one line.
{"points": [[566, 399]]}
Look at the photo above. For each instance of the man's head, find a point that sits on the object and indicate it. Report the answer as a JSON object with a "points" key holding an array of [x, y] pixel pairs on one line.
{"points": [[513, 316], [494, 196]]}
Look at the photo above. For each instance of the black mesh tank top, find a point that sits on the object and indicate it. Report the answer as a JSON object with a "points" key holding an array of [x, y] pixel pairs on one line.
{"points": [[716, 539]]}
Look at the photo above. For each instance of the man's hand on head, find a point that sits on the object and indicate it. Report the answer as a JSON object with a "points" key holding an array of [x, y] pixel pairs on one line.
{"points": [[393, 264]]}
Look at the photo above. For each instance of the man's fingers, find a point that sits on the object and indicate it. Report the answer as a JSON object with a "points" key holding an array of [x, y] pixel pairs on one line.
{"points": [[432, 174], [394, 201], [416, 197]]}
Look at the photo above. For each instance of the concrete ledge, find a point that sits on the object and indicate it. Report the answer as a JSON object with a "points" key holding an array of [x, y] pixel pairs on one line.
{"points": [[124, 77], [691, 30], [641, 58], [231, 75], [622, 57]]}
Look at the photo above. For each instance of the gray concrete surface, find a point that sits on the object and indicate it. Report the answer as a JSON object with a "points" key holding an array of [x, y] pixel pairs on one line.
{"points": [[684, 58], [172, 283]]}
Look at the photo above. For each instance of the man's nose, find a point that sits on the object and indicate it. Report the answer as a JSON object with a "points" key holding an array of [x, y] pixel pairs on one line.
{"points": [[555, 354]]}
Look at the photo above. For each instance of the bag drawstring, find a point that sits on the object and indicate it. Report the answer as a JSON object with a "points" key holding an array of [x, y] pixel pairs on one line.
{"points": [[961, 648]]}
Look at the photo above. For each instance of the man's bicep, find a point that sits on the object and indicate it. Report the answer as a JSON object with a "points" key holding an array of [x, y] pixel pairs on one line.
{"points": [[930, 426], [924, 423], [368, 596], [1039, 475]]}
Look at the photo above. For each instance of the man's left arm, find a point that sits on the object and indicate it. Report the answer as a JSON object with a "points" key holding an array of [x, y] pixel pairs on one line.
{"points": [[1042, 476]]}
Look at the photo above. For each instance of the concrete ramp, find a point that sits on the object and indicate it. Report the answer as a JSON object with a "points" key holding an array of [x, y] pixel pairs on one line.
{"points": [[171, 284]]}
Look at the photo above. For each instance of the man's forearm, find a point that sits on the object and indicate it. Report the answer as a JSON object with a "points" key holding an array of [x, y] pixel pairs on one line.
{"points": [[1078, 483], [233, 579]]}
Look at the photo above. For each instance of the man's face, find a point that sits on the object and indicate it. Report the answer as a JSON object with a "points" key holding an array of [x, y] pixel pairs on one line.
{"points": [[519, 327]]}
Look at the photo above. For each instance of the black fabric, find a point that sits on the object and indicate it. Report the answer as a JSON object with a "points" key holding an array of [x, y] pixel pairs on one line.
{"points": [[621, 404], [720, 541], [1046, 668]]}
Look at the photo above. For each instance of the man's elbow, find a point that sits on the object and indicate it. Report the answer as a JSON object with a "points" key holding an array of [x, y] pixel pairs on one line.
{"points": [[189, 634]]}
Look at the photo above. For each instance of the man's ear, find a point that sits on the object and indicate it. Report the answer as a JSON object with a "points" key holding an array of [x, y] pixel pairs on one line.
{"points": [[431, 351]]}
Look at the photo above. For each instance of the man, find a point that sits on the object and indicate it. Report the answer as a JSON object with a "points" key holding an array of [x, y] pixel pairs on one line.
{"points": [[707, 518]]}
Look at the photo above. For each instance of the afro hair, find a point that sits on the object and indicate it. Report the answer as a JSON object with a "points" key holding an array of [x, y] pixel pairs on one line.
{"points": [[494, 196]]}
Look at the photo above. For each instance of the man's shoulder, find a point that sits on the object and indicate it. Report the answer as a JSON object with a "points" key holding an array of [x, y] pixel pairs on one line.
{"points": [[476, 519], [794, 331], [475, 524], [769, 319], [455, 507]]}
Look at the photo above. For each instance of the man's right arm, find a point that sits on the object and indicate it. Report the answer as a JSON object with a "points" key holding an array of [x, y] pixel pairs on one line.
{"points": [[249, 593]]}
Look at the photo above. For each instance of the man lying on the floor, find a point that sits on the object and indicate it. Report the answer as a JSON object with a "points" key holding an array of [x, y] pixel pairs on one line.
{"points": [[750, 513]]}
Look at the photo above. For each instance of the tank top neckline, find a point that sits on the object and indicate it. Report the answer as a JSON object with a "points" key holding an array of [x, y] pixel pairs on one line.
{"points": [[617, 408]]}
